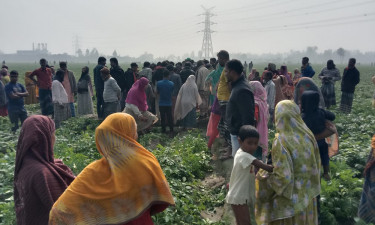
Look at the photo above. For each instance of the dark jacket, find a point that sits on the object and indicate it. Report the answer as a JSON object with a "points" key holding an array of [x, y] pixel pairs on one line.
{"points": [[241, 107], [129, 79], [350, 79], [98, 81], [119, 75], [185, 73]]}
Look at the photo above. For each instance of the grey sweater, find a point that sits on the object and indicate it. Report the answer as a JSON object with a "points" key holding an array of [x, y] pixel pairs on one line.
{"points": [[111, 90]]}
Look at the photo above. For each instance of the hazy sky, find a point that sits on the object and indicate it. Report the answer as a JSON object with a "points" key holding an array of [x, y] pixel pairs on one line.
{"points": [[170, 26]]}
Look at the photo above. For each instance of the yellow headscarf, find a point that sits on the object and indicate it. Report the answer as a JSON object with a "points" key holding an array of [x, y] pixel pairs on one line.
{"points": [[122, 185]]}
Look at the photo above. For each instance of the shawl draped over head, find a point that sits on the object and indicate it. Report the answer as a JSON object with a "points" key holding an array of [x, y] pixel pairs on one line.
{"points": [[366, 209], [39, 179], [252, 74], [295, 180], [284, 71], [137, 94], [187, 99], [260, 97], [118, 188], [304, 84], [85, 75]]}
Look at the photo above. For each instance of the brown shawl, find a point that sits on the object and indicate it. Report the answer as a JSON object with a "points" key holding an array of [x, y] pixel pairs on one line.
{"points": [[39, 179]]}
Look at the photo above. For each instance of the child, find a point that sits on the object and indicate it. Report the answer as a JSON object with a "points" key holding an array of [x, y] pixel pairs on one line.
{"points": [[60, 100], [315, 119], [241, 193], [15, 93], [165, 89]]}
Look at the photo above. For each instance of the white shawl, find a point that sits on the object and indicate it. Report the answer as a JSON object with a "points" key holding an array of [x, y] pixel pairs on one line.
{"points": [[187, 99]]}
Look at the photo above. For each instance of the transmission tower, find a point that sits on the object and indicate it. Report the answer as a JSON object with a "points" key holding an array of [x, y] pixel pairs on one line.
{"points": [[207, 49], [76, 44]]}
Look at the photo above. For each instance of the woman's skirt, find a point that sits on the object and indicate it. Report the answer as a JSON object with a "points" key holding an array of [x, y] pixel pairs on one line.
{"points": [[61, 113], [142, 125], [328, 92], [190, 120], [84, 104], [4, 110]]}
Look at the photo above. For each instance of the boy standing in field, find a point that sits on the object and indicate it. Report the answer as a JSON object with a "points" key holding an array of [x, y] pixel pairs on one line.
{"points": [[241, 193], [111, 93], [350, 79], [15, 93], [165, 90]]}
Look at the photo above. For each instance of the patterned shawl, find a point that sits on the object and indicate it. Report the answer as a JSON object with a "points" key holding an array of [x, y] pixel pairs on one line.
{"points": [[214, 77], [119, 187], [366, 209], [295, 180], [39, 179], [304, 84], [137, 94], [260, 97]]}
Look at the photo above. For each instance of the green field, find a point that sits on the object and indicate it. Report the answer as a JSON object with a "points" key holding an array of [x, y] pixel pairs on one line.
{"points": [[186, 160]]}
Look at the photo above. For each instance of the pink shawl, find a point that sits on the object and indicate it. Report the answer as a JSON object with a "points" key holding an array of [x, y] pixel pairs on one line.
{"points": [[137, 94], [260, 97]]}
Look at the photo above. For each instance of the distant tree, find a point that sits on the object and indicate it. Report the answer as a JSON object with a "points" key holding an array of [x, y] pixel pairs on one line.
{"points": [[87, 54], [114, 54], [94, 53], [341, 52], [79, 53]]}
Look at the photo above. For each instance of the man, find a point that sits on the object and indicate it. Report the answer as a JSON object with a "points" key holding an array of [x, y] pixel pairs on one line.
{"points": [[69, 85], [119, 75], [156, 77], [271, 92], [131, 77], [15, 93], [186, 72], [99, 86], [241, 106], [165, 90], [177, 83], [350, 79], [44, 83], [306, 69], [111, 93], [146, 71], [203, 88], [223, 94]]}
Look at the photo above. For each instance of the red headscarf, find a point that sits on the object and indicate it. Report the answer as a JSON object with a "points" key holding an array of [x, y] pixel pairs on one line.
{"points": [[36, 169], [137, 94]]}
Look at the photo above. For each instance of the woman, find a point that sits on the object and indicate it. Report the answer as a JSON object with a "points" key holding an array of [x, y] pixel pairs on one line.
{"points": [[136, 105], [307, 84], [261, 110], [188, 99], [3, 100], [85, 93], [287, 75], [296, 77], [126, 186], [288, 195], [366, 210], [329, 75], [281, 83], [61, 105], [39, 179], [252, 75], [212, 127], [31, 89]]}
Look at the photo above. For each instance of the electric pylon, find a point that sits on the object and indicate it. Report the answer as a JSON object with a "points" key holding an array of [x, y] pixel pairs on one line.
{"points": [[207, 49]]}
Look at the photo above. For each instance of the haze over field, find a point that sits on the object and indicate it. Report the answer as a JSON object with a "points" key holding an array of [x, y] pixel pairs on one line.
{"points": [[170, 27]]}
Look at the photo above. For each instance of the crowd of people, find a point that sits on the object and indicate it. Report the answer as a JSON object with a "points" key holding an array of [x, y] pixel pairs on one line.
{"points": [[280, 185]]}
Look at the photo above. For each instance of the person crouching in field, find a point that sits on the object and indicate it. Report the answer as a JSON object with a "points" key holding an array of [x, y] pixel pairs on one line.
{"points": [[15, 93], [111, 93], [241, 193], [61, 105]]}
